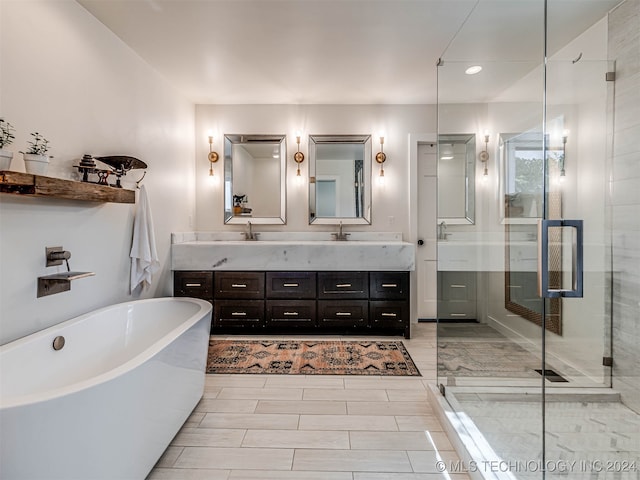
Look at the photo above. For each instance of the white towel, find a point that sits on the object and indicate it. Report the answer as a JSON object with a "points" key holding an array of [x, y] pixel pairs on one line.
{"points": [[144, 257]]}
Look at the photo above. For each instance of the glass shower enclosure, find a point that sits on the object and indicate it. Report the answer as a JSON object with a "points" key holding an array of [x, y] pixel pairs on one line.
{"points": [[528, 370]]}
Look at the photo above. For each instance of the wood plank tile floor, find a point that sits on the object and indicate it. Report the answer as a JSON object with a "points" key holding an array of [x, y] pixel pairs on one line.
{"points": [[313, 427]]}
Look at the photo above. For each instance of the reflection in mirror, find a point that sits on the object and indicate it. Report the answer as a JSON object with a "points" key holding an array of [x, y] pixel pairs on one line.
{"points": [[254, 179], [523, 175], [456, 178], [339, 179], [522, 188]]}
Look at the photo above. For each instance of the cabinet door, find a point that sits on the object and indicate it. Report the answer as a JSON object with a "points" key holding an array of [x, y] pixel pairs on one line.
{"points": [[343, 285], [294, 313], [193, 284], [295, 285], [389, 285], [352, 313], [248, 285], [234, 313]]}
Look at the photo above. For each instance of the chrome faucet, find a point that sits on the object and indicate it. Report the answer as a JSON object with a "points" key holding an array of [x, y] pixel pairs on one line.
{"points": [[340, 236], [248, 234], [442, 231]]}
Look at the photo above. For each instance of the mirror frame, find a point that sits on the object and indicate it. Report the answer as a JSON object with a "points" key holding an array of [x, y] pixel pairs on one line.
{"points": [[235, 139], [469, 217], [315, 140]]}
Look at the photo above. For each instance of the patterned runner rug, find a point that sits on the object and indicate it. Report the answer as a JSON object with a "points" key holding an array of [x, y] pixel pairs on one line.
{"points": [[308, 357]]}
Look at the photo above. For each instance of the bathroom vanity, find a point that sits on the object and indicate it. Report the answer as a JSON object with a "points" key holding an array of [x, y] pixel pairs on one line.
{"points": [[298, 285]]}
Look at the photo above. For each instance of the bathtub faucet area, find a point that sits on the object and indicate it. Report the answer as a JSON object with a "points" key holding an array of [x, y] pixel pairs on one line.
{"points": [[59, 282]]}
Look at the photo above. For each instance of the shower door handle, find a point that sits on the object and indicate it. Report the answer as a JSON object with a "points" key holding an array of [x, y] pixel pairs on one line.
{"points": [[577, 261]]}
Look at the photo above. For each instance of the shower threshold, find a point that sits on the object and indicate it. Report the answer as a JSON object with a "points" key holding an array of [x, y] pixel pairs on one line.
{"points": [[497, 432]]}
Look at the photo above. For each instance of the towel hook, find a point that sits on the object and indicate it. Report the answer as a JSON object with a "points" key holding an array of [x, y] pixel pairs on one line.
{"points": [[140, 181]]}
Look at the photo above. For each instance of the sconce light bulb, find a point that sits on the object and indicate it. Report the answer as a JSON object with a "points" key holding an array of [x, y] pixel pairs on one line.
{"points": [[211, 174], [486, 172]]}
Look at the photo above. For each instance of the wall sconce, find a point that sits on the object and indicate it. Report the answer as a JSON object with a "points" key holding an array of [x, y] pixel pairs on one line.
{"points": [[213, 156], [565, 135], [298, 157], [484, 155], [381, 157]]}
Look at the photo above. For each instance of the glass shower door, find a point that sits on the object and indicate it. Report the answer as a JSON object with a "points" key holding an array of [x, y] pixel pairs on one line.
{"points": [[522, 369]]}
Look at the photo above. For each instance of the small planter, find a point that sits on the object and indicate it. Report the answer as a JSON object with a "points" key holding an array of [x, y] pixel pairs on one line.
{"points": [[36, 164], [5, 159]]}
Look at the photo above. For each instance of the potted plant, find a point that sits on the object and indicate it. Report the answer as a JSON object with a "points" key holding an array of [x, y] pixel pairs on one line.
{"points": [[6, 139], [36, 160]]}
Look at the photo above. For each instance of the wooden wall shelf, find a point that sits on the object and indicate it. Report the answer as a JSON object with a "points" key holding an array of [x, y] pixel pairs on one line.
{"points": [[20, 183]]}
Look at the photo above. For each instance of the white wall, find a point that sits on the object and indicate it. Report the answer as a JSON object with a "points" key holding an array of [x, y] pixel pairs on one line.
{"points": [[65, 75], [390, 203]]}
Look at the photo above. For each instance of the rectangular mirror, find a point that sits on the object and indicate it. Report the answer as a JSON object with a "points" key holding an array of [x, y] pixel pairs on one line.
{"points": [[340, 179], [456, 178], [255, 179]]}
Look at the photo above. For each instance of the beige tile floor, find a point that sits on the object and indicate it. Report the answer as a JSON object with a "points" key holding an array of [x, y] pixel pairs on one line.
{"points": [[312, 427]]}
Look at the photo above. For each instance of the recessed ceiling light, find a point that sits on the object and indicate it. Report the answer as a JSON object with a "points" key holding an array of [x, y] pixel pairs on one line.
{"points": [[473, 70], [446, 157]]}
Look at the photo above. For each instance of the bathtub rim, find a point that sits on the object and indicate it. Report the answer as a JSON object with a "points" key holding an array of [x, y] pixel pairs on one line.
{"points": [[14, 401]]}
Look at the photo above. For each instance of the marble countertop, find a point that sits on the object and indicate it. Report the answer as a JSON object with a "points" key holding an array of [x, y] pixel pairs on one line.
{"points": [[298, 252]]}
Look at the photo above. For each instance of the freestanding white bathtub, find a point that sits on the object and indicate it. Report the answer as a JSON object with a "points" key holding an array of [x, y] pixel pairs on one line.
{"points": [[108, 403]]}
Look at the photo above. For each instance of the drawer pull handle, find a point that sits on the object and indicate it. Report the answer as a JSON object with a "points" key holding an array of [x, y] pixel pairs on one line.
{"points": [[238, 314], [389, 285], [458, 286], [458, 314], [290, 285], [343, 285], [343, 314], [238, 285], [291, 314], [193, 284], [384, 314]]}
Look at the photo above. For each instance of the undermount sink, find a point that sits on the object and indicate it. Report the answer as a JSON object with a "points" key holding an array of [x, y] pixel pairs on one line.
{"points": [[299, 251]]}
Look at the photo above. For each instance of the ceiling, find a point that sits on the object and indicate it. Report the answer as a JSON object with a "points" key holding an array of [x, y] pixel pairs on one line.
{"points": [[339, 51]]}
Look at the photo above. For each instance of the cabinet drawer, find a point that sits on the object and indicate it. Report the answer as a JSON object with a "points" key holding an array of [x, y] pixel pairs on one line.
{"points": [[193, 284], [248, 285], [348, 285], [389, 315], [389, 285], [457, 310], [343, 314], [290, 312], [229, 313], [291, 285]]}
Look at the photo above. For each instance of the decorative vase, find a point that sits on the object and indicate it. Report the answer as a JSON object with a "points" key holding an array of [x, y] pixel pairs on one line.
{"points": [[36, 164], [5, 159]]}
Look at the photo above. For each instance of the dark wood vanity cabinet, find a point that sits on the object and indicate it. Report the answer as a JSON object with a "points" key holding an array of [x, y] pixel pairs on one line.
{"points": [[302, 302]]}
